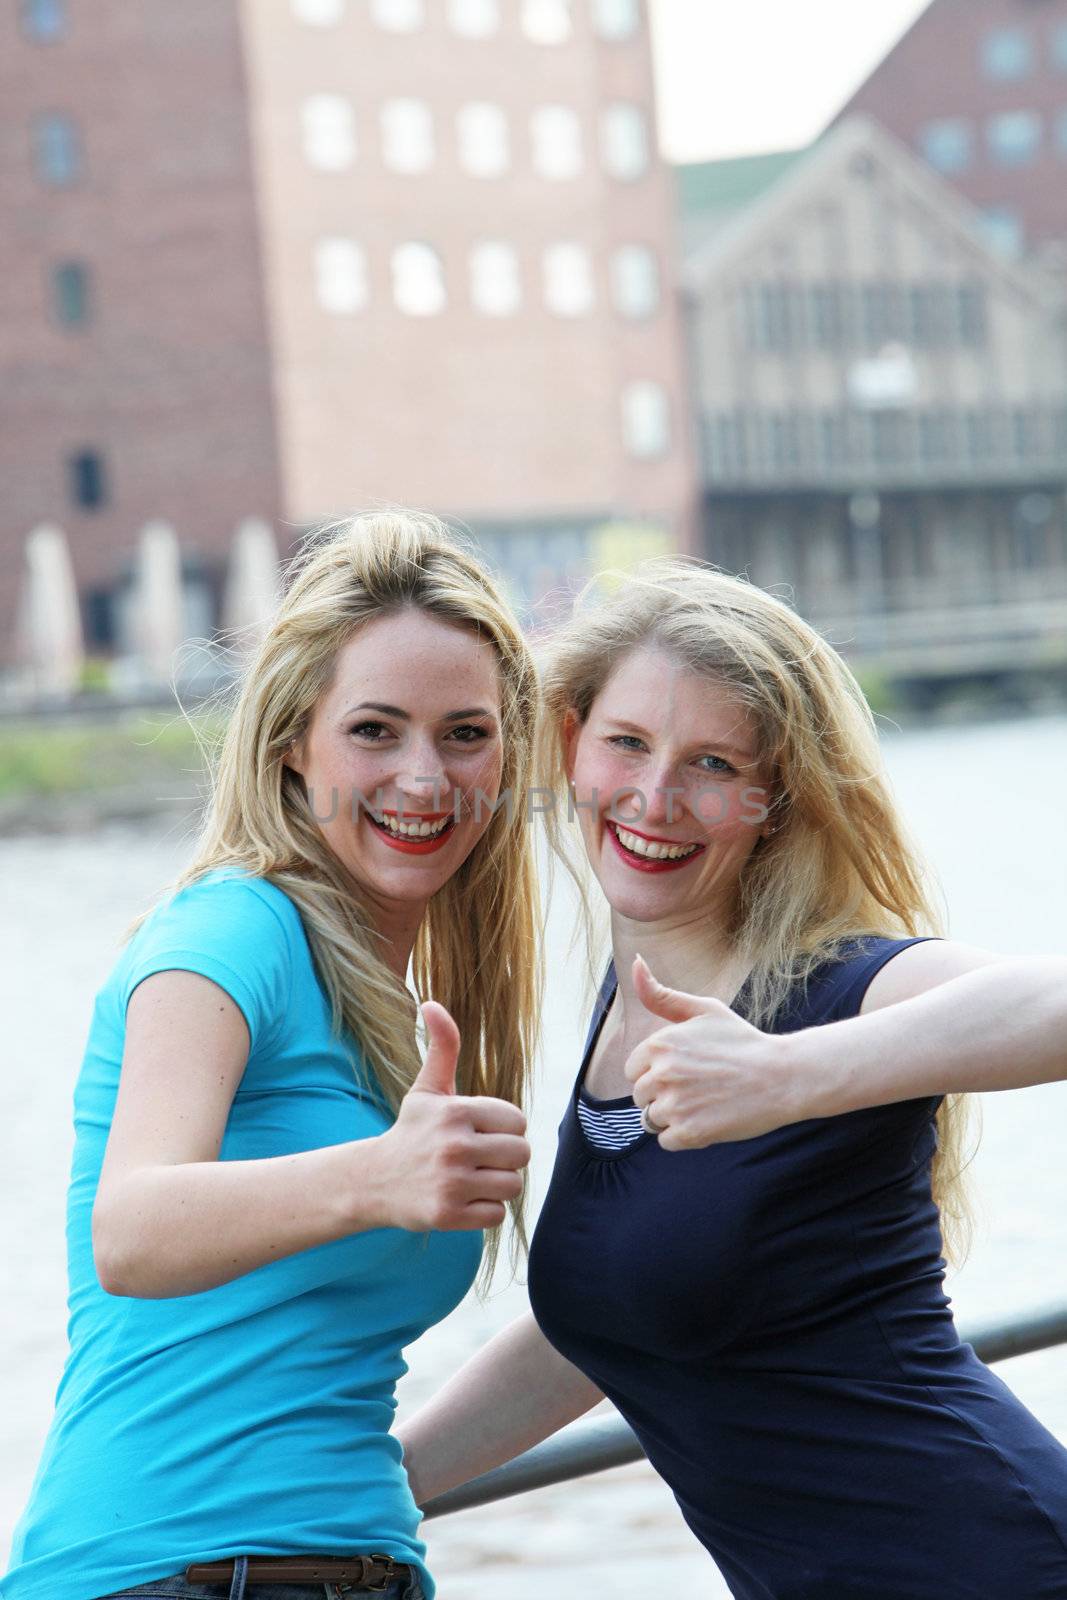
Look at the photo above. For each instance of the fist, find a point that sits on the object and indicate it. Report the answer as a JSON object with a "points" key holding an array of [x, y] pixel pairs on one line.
{"points": [[451, 1161], [708, 1076]]}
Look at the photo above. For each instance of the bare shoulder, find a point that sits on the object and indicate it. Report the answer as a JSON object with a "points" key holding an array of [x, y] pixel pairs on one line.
{"points": [[924, 966]]}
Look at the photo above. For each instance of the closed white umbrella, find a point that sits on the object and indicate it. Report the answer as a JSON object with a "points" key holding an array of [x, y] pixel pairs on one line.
{"points": [[158, 622], [253, 582], [50, 642]]}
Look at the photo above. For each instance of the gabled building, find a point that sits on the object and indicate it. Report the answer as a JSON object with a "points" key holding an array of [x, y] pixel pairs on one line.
{"points": [[881, 396], [978, 90]]}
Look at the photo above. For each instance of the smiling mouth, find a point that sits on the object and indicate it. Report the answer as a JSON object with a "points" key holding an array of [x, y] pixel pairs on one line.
{"points": [[413, 834], [651, 851]]}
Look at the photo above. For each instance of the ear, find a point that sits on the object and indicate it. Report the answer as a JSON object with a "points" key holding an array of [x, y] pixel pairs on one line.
{"points": [[572, 727], [293, 756]]}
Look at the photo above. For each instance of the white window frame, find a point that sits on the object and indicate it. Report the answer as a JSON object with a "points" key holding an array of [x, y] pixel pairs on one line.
{"points": [[646, 419], [496, 289], [319, 13], [418, 279], [407, 135], [549, 22], [567, 271], [556, 143], [341, 282], [636, 286], [328, 126], [474, 19], [624, 157], [398, 16], [616, 20], [482, 139]]}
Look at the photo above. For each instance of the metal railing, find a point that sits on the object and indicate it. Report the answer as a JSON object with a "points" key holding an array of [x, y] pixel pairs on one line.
{"points": [[587, 1447]]}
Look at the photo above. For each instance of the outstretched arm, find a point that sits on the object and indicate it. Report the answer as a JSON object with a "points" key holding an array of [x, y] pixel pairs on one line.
{"points": [[515, 1392], [939, 1018]]}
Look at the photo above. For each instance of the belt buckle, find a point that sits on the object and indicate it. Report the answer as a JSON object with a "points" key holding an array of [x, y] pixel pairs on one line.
{"points": [[368, 1563]]}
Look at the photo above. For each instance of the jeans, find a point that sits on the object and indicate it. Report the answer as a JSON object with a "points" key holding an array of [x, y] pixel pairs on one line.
{"points": [[176, 1588]]}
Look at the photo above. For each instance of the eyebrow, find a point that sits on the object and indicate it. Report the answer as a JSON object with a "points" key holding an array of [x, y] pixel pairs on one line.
{"points": [[405, 716], [720, 744]]}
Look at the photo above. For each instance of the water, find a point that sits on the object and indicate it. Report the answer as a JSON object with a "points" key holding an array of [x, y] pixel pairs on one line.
{"points": [[987, 804]]}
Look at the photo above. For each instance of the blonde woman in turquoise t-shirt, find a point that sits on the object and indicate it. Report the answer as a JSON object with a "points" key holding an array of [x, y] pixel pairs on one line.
{"points": [[271, 1194]]}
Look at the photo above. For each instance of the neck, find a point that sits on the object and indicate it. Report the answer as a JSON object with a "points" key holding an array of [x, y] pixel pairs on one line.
{"points": [[695, 958]]}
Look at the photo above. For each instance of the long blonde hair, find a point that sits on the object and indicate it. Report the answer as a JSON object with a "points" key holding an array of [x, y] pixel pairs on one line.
{"points": [[839, 862], [477, 950]]}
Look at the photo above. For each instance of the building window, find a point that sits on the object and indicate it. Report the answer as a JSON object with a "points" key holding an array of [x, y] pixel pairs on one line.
{"points": [[635, 288], [495, 287], [474, 19], [88, 482], [827, 311], [972, 313], [646, 420], [616, 19], [418, 280], [341, 276], [398, 16], [624, 141], [1007, 54], [56, 149], [547, 21], [44, 20], [568, 280], [1014, 137], [772, 315], [482, 131], [1003, 229], [329, 132], [319, 13], [556, 135], [882, 313], [1059, 47], [407, 135], [70, 293], [947, 144]]}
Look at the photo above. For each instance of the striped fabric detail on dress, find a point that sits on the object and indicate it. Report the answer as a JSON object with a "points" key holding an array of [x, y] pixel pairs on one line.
{"points": [[609, 1129]]}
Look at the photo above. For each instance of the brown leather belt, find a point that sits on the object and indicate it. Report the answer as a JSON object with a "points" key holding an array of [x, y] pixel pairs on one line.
{"points": [[367, 1572]]}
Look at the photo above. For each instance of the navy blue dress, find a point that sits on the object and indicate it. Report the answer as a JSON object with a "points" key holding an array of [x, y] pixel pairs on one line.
{"points": [[769, 1317]]}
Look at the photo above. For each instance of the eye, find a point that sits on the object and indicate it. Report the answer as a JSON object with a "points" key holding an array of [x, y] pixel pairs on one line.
{"points": [[369, 730], [723, 766], [627, 740], [472, 729]]}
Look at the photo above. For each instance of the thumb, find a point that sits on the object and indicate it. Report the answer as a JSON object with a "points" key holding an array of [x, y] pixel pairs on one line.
{"points": [[670, 1004], [438, 1072]]}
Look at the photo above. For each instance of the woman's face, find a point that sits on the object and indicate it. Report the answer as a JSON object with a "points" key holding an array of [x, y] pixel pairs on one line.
{"points": [[670, 796], [402, 757]]}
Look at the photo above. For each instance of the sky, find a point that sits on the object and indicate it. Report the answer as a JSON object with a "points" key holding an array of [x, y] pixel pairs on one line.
{"points": [[734, 77]]}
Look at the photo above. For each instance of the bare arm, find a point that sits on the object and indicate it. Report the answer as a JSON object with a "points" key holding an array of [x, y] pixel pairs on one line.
{"points": [[515, 1392], [1000, 1025], [171, 1219], [939, 1018]]}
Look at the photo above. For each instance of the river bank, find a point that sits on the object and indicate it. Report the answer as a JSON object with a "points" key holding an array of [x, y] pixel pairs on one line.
{"points": [[69, 770]]}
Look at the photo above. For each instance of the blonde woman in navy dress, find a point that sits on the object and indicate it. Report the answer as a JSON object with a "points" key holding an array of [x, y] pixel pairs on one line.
{"points": [[742, 1242], [271, 1196]]}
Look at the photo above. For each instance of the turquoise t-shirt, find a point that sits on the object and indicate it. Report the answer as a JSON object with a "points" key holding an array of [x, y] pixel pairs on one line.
{"points": [[252, 1418]]}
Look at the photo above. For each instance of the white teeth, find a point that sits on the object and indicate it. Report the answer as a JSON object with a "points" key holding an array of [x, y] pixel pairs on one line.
{"points": [[414, 830], [654, 852]]}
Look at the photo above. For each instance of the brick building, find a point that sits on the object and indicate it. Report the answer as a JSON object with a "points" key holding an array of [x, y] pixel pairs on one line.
{"points": [[295, 258], [978, 89]]}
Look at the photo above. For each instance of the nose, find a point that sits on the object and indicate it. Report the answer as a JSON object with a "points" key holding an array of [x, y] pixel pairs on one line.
{"points": [[657, 799], [423, 781]]}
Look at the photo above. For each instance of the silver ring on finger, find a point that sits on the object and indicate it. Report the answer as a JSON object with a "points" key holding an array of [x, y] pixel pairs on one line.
{"points": [[649, 1123]]}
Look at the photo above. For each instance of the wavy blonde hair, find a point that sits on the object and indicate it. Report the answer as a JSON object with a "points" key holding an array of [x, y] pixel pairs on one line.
{"points": [[839, 862], [477, 950]]}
